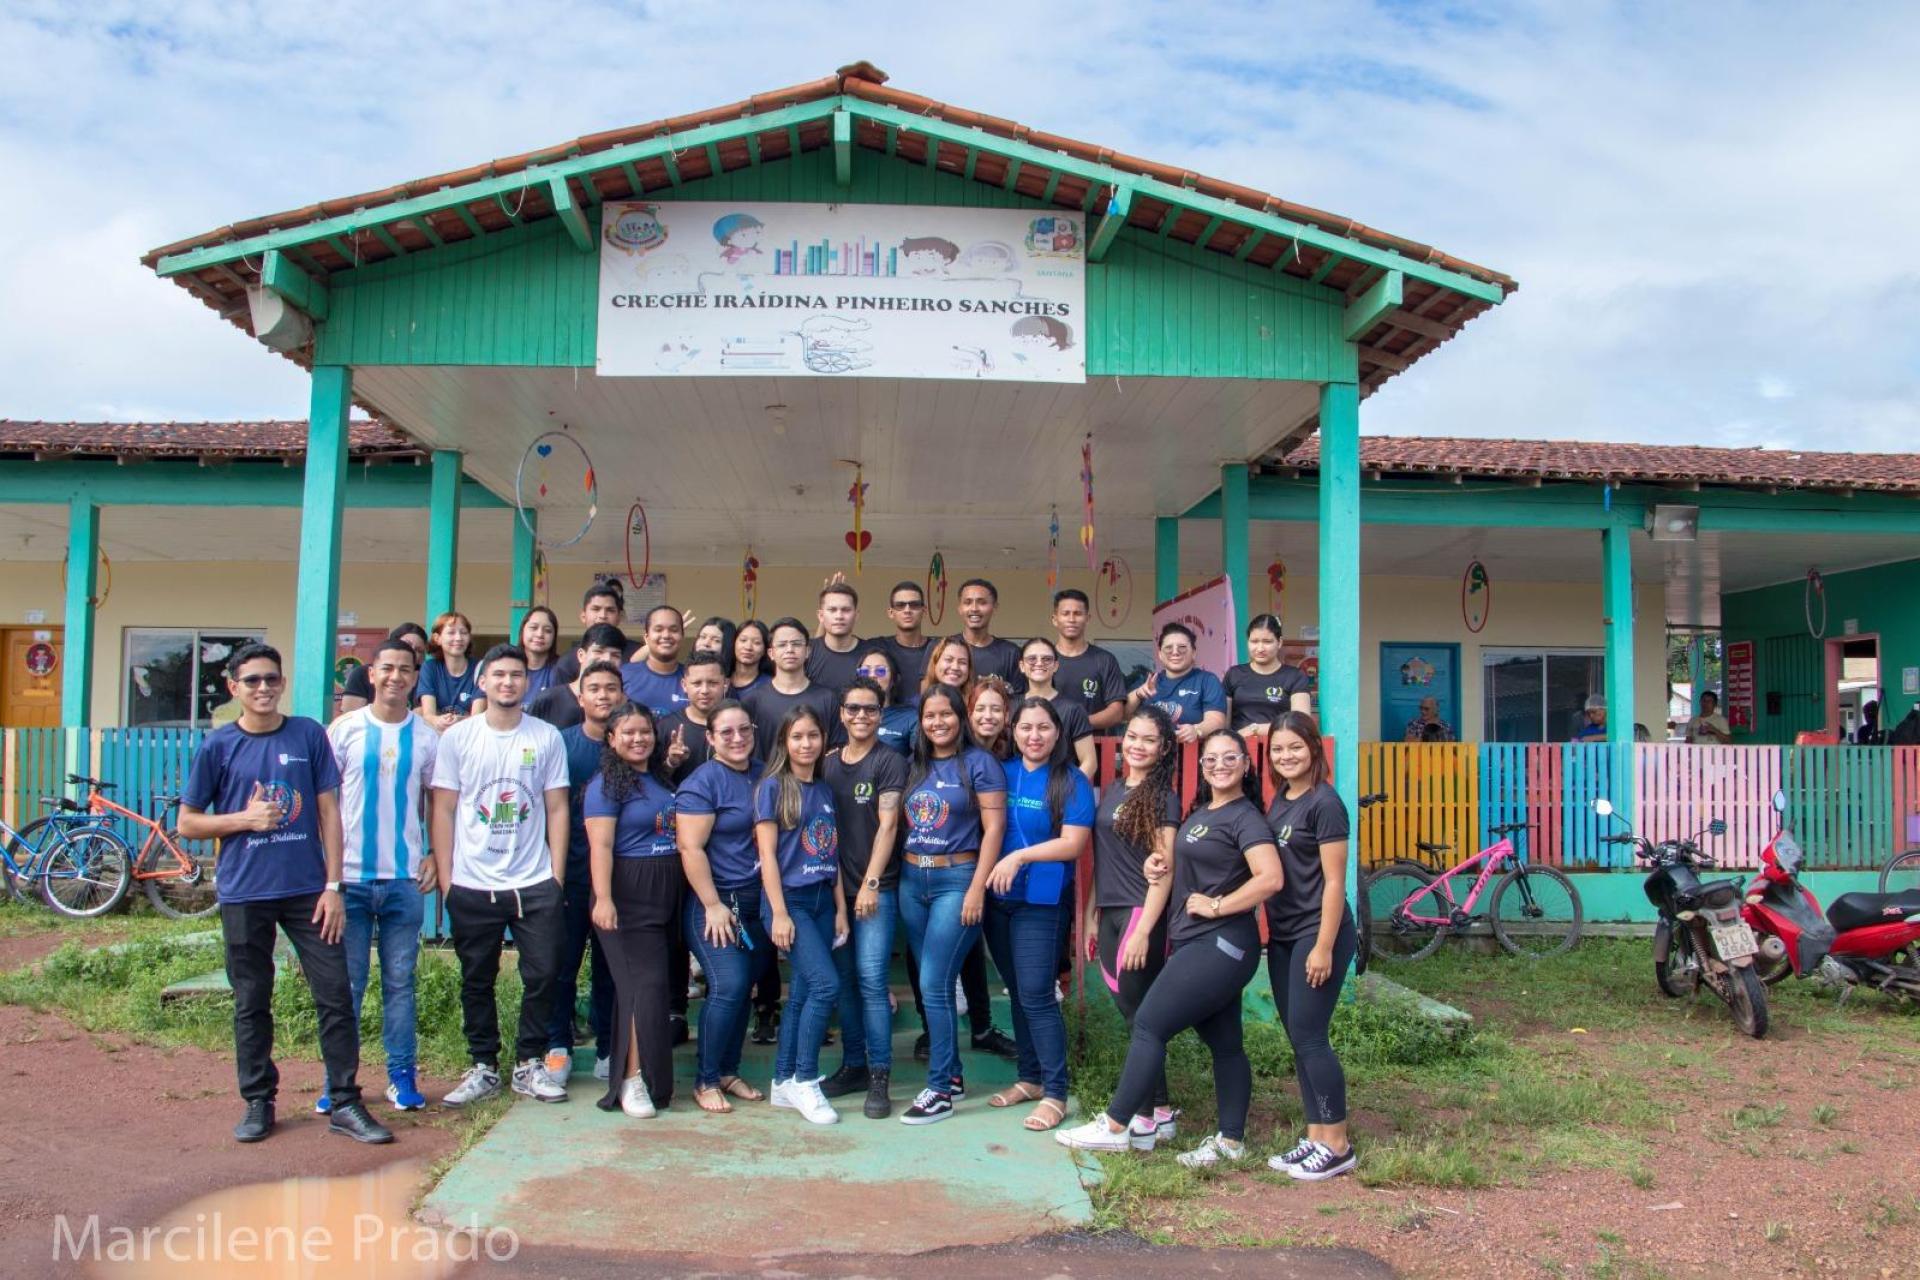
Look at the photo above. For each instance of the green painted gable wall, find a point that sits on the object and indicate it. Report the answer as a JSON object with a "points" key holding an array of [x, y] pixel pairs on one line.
{"points": [[528, 297], [1789, 661]]}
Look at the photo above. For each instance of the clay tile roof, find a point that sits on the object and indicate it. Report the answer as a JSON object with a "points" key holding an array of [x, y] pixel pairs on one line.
{"points": [[267, 439], [1562, 460], [1429, 315]]}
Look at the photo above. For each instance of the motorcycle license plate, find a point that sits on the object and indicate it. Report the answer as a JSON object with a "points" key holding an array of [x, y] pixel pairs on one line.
{"points": [[1733, 941]]}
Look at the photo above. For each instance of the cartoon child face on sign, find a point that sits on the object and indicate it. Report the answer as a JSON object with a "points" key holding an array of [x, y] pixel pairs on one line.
{"points": [[927, 255]]}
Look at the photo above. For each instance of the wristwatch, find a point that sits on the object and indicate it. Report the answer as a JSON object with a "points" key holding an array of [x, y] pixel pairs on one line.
{"points": [[333, 886], [873, 882]]}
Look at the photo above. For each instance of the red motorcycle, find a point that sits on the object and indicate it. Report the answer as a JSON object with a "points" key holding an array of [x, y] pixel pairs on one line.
{"points": [[1863, 939]]}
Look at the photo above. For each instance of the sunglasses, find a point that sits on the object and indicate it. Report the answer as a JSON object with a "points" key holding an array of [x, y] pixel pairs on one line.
{"points": [[875, 672], [861, 708], [259, 681], [907, 604]]}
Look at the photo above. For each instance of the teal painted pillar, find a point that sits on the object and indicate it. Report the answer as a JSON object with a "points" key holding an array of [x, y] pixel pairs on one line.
{"points": [[520, 588], [83, 569], [443, 533], [1235, 527], [1166, 558], [1338, 698], [1616, 548], [317, 607]]}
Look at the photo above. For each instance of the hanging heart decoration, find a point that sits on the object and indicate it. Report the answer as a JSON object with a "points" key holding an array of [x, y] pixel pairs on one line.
{"points": [[858, 538]]}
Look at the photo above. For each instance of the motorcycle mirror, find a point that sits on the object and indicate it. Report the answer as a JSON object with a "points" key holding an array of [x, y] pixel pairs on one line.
{"points": [[1779, 802], [1603, 807], [1717, 827]]}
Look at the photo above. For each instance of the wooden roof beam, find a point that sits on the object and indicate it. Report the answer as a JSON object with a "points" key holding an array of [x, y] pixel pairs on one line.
{"points": [[1367, 310], [300, 291], [842, 148], [569, 213], [1109, 229]]}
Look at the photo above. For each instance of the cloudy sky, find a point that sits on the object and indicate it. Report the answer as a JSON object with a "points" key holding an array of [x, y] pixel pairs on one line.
{"points": [[1711, 208]]}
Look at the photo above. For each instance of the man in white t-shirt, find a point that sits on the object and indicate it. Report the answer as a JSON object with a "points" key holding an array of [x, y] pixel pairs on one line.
{"points": [[386, 755], [500, 847], [1709, 728]]}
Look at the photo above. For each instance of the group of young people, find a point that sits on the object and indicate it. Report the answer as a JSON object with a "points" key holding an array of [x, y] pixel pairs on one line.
{"points": [[780, 793]]}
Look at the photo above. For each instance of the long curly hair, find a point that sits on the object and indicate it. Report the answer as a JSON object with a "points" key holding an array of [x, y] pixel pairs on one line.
{"points": [[620, 778], [1138, 819]]}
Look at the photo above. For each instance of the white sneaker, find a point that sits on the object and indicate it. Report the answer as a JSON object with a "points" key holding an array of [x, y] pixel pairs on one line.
{"points": [[780, 1094], [1142, 1133], [602, 1068], [806, 1098], [959, 999], [1212, 1152], [634, 1098], [532, 1078], [1166, 1120], [481, 1081], [1302, 1149], [1094, 1135]]}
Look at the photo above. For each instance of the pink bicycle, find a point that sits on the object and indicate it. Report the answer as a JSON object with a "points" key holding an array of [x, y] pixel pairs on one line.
{"points": [[1534, 911]]}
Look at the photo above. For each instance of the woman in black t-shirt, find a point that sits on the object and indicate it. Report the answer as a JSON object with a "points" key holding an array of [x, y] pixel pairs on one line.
{"points": [[1039, 663], [1127, 913], [1311, 938], [1224, 867], [1263, 688]]}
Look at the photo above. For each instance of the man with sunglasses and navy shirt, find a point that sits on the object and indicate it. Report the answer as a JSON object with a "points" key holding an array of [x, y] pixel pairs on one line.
{"points": [[268, 788]]}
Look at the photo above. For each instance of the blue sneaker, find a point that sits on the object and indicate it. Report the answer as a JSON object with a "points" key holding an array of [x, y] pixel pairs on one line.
{"points": [[403, 1092], [323, 1105]]}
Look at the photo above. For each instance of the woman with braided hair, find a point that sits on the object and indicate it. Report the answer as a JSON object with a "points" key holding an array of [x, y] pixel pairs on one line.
{"points": [[1127, 928]]}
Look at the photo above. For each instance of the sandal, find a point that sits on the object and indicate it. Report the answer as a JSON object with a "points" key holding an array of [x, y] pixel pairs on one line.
{"points": [[710, 1100], [1016, 1093], [740, 1089], [1047, 1115]]}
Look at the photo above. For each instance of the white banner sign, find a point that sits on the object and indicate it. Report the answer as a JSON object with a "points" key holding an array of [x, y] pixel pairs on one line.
{"points": [[700, 289], [1207, 611]]}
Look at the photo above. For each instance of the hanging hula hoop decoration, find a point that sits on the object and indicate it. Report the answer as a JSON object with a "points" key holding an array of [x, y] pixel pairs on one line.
{"points": [[1115, 582], [639, 530], [1816, 593], [106, 578], [936, 589], [749, 585], [1476, 597], [533, 479]]}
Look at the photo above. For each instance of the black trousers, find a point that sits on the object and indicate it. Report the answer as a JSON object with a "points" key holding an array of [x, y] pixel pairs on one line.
{"points": [[480, 919], [249, 931], [646, 901], [1200, 988], [576, 935]]}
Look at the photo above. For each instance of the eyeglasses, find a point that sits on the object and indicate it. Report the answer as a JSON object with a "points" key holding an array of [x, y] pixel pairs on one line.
{"points": [[1039, 660], [1228, 760], [746, 732], [861, 708], [875, 672], [260, 681], [789, 644]]}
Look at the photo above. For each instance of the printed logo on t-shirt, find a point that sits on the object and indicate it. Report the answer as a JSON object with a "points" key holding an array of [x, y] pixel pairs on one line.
{"points": [[1089, 685], [927, 811], [286, 796], [820, 839], [863, 793], [663, 823], [502, 806], [1173, 709], [1195, 833], [1283, 833], [527, 757], [1273, 693]]}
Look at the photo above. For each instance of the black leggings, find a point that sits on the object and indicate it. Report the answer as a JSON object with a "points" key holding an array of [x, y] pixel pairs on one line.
{"points": [[1199, 988], [1306, 1012], [1130, 986]]}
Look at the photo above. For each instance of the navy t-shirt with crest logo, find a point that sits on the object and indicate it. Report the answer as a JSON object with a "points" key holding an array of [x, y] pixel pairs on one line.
{"points": [[295, 764], [1210, 859], [1300, 827], [942, 812], [1260, 700], [1189, 697], [808, 851]]}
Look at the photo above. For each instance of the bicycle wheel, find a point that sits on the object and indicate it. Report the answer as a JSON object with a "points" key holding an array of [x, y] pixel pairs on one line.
{"points": [[1902, 873], [180, 896], [1362, 928], [86, 873], [1536, 912], [1396, 938]]}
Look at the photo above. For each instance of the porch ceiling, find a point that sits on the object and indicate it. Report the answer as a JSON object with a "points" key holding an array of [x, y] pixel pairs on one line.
{"points": [[969, 468]]}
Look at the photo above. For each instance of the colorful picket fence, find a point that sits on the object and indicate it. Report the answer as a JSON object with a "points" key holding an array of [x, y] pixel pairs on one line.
{"points": [[142, 764], [33, 763]]}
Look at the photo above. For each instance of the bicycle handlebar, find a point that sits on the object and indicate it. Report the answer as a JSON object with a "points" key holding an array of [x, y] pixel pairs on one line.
{"points": [[95, 783], [1368, 801]]}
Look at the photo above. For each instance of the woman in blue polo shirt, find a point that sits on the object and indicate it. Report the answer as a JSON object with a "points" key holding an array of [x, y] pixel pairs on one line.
{"points": [[1050, 811], [803, 909], [449, 678], [956, 808], [1193, 698], [637, 886], [713, 822]]}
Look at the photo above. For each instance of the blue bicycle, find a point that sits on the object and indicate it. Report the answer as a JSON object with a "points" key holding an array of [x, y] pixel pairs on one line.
{"points": [[77, 865]]}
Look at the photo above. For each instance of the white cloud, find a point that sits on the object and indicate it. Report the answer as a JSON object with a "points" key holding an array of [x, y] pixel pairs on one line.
{"points": [[1687, 194]]}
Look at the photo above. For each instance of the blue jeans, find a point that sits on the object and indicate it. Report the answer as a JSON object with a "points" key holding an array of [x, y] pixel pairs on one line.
{"points": [[930, 902], [866, 1017], [731, 972], [576, 932], [390, 910], [814, 986], [1024, 938]]}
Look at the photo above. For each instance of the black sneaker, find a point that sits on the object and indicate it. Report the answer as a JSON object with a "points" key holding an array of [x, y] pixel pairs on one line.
{"points": [[879, 1101], [959, 1089], [1320, 1164], [995, 1041], [354, 1121], [763, 1027], [844, 1081], [258, 1122], [681, 1031], [930, 1107], [923, 1047]]}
